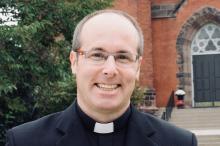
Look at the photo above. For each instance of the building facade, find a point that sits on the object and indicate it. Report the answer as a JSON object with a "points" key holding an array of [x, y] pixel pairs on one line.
{"points": [[182, 48]]}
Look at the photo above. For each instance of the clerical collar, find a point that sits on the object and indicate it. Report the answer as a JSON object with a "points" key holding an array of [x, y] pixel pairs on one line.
{"points": [[103, 128]]}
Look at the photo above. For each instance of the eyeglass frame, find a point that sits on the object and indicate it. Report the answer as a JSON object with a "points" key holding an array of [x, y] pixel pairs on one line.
{"points": [[108, 54]]}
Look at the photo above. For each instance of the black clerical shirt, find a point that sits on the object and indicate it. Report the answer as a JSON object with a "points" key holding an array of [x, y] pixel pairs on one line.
{"points": [[115, 138]]}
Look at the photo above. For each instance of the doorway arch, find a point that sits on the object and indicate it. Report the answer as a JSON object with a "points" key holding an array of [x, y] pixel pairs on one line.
{"points": [[205, 48], [189, 30]]}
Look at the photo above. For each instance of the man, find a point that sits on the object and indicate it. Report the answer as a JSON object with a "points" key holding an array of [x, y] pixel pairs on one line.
{"points": [[106, 57]]}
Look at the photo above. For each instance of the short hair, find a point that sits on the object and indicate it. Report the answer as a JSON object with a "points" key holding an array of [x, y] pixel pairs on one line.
{"points": [[76, 44]]}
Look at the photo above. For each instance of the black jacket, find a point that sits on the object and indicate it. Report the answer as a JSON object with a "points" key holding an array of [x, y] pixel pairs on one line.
{"points": [[64, 129]]}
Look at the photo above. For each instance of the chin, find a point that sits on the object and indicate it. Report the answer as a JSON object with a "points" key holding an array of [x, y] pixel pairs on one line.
{"points": [[107, 106]]}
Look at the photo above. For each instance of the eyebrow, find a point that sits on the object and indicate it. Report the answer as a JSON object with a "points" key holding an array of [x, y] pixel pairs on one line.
{"points": [[101, 49], [98, 49], [123, 51]]}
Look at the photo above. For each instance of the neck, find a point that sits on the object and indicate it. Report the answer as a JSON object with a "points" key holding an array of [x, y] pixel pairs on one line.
{"points": [[103, 115]]}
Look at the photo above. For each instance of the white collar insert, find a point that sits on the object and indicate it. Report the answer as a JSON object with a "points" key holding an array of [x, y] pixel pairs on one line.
{"points": [[104, 128]]}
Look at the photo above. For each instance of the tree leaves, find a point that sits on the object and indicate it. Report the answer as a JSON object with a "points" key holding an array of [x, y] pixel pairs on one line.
{"points": [[35, 77]]}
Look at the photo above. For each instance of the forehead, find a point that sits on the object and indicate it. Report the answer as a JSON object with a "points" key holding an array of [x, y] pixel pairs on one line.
{"points": [[108, 18], [107, 26]]}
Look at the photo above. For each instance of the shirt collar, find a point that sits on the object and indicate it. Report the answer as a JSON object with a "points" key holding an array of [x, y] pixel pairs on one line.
{"points": [[103, 128]]}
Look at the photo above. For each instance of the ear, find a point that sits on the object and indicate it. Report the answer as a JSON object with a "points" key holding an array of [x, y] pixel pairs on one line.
{"points": [[73, 61], [138, 69]]}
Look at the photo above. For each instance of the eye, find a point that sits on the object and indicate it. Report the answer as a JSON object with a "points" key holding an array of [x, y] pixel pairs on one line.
{"points": [[124, 58], [97, 56]]}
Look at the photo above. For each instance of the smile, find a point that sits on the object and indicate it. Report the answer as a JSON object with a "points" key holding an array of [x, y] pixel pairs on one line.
{"points": [[107, 87]]}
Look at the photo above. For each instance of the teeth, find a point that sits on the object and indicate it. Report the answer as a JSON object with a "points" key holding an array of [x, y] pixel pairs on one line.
{"points": [[107, 87]]}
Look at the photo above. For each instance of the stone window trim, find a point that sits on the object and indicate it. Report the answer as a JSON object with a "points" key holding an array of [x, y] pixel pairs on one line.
{"points": [[164, 10]]}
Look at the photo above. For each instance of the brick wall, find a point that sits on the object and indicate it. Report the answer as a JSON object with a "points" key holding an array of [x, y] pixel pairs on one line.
{"points": [[164, 35], [141, 10], [159, 69]]}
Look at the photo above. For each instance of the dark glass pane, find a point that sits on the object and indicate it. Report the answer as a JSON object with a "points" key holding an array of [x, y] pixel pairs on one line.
{"points": [[201, 44], [195, 49], [218, 43], [210, 28], [210, 46], [216, 34], [203, 34]]}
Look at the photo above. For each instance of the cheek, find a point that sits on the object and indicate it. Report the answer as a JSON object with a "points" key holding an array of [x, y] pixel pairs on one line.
{"points": [[85, 74], [129, 80], [130, 75]]}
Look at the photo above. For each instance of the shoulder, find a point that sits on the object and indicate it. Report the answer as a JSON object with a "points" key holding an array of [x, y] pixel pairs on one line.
{"points": [[164, 126], [165, 132], [33, 132], [43, 131], [45, 123]]}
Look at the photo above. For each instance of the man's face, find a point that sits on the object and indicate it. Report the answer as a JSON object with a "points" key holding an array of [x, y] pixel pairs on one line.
{"points": [[106, 87]]}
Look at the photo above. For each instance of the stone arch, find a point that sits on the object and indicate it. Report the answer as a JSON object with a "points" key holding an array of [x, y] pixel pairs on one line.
{"points": [[184, 62]]}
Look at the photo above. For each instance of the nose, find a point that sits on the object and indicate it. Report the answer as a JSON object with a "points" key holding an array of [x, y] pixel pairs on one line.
{"points": [[109, 67]]}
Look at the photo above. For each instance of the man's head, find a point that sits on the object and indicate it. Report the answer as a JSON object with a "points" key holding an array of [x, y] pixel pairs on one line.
{"points": [[76, 36], [106, 56]]}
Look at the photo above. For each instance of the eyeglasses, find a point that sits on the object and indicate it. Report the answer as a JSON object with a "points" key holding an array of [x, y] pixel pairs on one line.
{"points": [[99, 57]]}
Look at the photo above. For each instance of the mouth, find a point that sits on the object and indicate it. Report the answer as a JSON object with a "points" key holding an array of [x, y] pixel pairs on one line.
{"points": [[107, 87]]}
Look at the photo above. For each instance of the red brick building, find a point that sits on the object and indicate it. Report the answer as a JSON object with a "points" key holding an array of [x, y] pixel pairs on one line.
{"points": [[182, 47]]}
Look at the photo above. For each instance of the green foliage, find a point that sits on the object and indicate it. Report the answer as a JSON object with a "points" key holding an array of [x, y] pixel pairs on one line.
{"points": [[35, 77], [138, 95]]}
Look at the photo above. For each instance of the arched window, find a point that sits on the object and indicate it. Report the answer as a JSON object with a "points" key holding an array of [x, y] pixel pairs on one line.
{"points": [[206, 40]]}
